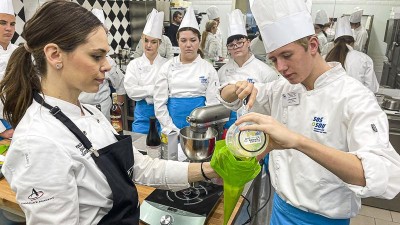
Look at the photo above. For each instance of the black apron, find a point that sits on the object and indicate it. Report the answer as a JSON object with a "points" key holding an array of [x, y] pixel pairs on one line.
{"points": [[116, 163]]}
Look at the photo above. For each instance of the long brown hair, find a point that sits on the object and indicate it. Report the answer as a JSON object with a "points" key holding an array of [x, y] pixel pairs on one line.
{"points": [[194, 31], [61, 22], [209, 26], [340, 50]]}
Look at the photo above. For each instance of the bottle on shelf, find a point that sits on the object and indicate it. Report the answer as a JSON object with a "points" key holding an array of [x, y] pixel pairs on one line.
{"points": [[116, 114], [153, 140]]}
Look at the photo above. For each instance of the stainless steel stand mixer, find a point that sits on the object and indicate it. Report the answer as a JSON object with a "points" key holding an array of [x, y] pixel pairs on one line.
{"points": [[206, 126]]}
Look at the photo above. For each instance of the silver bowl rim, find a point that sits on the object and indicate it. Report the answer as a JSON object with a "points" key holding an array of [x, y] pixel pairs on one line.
{"points": [[215, 134]]}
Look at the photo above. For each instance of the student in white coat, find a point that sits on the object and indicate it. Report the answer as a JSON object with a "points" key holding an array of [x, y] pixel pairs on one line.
{"points": [[66, 163], [360, 34], [186, 81], [7, 30], [164, 49], [242, 65], [141, 73], [210, 44], [329, 140], [357, 64], [213, 14], [115, 76], [321, 18]]}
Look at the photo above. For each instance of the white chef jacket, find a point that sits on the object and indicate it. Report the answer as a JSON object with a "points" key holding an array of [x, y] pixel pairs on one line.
{"points": [[360, 66], [102, 97], [258, 49], [212, 48], [165, 48], [360, 35], [327, 48], [322, 40], [341, 113], [45, 156], [222, 42], [4, 57], [178, 80], [253, 70], [140, 78]]}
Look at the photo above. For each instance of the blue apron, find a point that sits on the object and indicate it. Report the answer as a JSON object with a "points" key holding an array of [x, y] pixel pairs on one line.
{"points": [[286, 214], [232, 120], [180, 108], [6, 125], [141, 117]]}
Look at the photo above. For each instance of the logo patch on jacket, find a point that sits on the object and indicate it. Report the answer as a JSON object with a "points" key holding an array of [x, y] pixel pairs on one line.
{"points": [[203, 80], [36, 197], [318, 124]]}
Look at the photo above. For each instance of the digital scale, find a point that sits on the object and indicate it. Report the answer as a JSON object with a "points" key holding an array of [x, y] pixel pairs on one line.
{"points": [[189, 206]]}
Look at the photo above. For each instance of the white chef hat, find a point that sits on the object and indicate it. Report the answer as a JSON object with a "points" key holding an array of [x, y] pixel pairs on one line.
{"points": [[99, 14], [189, 20], [321, 17], [212, 12], [237, 26], [343, 28], [6, 7], [355, 17], [281, 21], [309, 5], [154, 24]]}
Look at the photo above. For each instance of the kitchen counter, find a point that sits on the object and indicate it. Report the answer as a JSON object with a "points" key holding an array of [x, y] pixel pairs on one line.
{"points": [[9, 203]]}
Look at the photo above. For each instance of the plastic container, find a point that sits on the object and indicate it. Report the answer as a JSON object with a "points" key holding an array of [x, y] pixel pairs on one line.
{"points": [[245, 144]]}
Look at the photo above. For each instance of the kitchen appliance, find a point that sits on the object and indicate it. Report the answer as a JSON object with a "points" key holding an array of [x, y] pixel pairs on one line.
{"points": [[192, 205], [391, 68], [391, 104]]}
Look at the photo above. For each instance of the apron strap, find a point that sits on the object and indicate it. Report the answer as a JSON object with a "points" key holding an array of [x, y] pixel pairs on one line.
{"points": [[57, 113]]}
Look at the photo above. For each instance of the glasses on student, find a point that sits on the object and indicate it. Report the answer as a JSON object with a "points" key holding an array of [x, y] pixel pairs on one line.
{"points": [[238, 44]]}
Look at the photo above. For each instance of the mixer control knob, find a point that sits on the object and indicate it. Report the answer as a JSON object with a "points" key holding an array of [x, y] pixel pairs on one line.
{"points": [[166, 220]]}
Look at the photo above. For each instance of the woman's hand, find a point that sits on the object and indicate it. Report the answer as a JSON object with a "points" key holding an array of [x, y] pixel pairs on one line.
{"points": [[280, 136]]}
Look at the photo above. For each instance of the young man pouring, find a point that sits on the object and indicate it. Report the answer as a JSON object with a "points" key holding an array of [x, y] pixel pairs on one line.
{"points": [[329, 145]]}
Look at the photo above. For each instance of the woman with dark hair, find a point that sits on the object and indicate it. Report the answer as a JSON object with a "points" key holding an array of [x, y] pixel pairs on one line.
{"points": [[66, 163], [357, 64], [209, 43], [242, 65], [186, 81]]}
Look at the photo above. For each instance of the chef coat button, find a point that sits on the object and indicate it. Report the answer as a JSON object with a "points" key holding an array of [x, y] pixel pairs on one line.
{"points": [[98, 120]]}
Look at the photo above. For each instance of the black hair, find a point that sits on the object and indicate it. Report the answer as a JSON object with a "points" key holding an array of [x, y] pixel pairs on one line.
{"points": [[236, 37]]}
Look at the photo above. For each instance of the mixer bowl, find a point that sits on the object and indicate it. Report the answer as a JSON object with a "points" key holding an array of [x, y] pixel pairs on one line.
{"points": [[198, 146]]}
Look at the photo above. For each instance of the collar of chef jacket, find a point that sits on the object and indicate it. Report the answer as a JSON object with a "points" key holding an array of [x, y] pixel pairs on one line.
{"points": [[330, 76], [245, 63], [67, 108], [10, 47], [177, 59]]}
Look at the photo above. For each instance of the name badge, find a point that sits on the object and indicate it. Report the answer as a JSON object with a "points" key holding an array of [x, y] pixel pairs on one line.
{"points": [[290, 98]]}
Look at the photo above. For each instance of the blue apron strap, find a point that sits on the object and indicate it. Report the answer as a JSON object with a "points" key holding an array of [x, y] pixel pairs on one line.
{"points": [[6, 124], [180, 108], [286, 214], [141, 121], [232, 120]]}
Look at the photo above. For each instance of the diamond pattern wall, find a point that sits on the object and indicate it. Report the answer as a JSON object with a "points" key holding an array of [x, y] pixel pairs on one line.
{"points": [[117, 21]]}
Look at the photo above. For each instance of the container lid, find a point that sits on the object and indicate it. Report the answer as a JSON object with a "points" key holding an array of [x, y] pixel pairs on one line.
{"points": [[252, 141]]}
